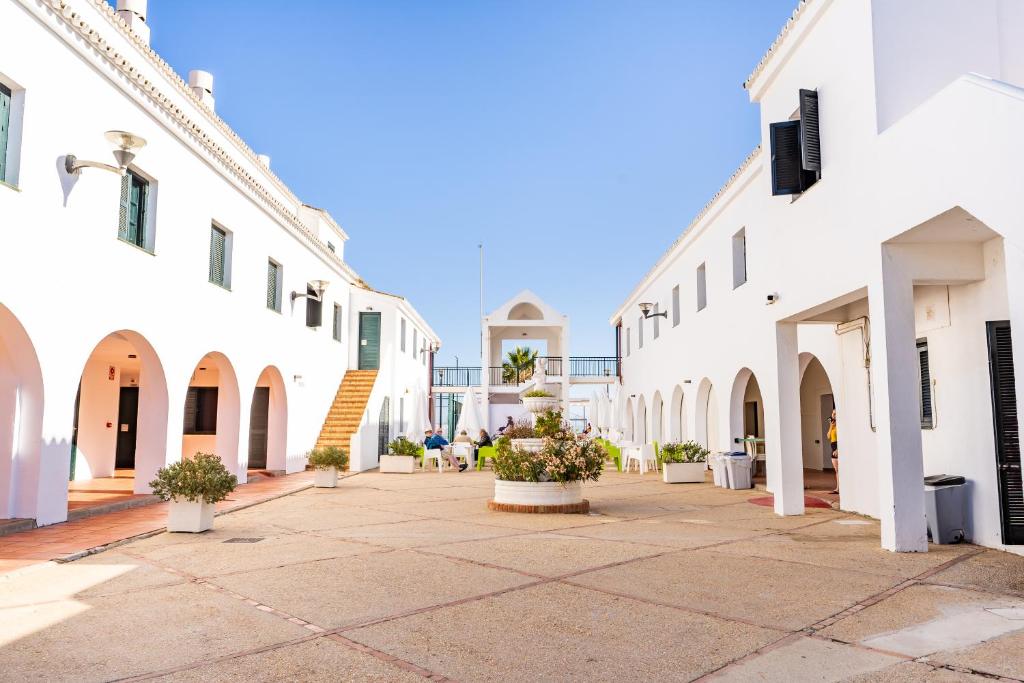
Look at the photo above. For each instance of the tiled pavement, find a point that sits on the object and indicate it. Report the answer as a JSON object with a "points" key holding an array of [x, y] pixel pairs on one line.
{"points": [[70, 539], [396, 577]]}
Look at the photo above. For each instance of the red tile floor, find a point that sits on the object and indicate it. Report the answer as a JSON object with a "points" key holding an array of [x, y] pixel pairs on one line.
{"points": [[60, 541]]}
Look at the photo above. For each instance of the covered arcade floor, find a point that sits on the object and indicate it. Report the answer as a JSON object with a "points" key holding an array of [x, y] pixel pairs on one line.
{"points": [[403, 577]]}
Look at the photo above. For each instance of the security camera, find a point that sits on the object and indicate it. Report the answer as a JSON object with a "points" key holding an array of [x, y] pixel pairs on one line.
{"points": [[771, 299]]}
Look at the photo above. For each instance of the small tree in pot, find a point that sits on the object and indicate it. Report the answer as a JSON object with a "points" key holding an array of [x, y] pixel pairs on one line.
{"points": [[401, 457], [327, 461], [193, 486], [684, 462]]}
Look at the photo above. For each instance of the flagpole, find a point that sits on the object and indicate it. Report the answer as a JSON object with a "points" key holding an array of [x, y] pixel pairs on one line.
{"points": [[481, 248]]}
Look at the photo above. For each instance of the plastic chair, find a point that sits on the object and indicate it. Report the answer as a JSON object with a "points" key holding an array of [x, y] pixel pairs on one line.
{"points": [[657, 452], [482, 454], [615, 453], [464, 451], [436, 455], [633, 455], [643, 456]]}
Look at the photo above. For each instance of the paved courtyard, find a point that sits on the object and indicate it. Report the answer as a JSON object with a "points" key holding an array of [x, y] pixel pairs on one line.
{"points": [[395, 578]]}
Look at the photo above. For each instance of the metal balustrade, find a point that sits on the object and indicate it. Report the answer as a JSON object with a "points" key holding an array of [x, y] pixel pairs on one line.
{"points": [[579, 366], [456, 377]]}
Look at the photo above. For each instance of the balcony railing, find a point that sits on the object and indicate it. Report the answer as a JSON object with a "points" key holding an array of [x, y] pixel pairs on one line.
{"points": [[579, 366]]}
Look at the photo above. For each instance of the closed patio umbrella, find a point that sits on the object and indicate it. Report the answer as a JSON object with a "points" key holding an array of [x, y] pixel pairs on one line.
{"points": [[595, 411], [419, 421], [469, 418]]}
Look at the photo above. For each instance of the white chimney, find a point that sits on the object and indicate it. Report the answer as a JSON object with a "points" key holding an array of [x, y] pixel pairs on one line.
{"points": [[264, 159], [133, 13], [201, 83]]}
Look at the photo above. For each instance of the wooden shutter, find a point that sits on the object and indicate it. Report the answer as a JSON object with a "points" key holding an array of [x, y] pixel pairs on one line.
{"points": [[675, 305], [123, 215], [272, 281], [640, 333], [927, 417], [314, 309], [656, 320], [5, 125], [403, 336], [1007, 432], [191, 410], [810, 139], [218, 240], [787, 175], [337, 322]]}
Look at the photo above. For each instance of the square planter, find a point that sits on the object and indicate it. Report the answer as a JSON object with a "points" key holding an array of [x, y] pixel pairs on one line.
{"points": [[398, 464], [325, 479], [190, 517], [684, 472]]}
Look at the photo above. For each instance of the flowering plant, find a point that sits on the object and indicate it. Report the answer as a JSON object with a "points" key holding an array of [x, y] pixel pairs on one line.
{"points": [[538, 393], [564, 458], [690, 451]]}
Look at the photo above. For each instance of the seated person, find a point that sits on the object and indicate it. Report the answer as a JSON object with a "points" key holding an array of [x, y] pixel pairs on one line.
{"points": [[438, 442], [506, 425], [484, 440], [463, 437]]}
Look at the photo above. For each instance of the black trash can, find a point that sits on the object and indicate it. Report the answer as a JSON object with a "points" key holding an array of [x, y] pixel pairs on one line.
{"points": [[944, 507]]}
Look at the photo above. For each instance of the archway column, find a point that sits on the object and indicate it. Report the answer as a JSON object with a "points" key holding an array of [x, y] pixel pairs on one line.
{"points": [[43, 490], [894, 370], [784, 450]]}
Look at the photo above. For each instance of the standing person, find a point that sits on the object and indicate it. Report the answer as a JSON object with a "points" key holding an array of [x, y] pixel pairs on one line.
{"points": [[833, 440]]}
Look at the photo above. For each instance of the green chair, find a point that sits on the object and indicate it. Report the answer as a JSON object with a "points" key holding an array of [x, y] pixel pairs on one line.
{"points": [[616, 454], [482, 454], [657, 453]]}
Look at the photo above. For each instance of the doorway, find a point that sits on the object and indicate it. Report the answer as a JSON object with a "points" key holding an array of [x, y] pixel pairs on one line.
{"points": [[1007, 433], [369, 341], [828, 403], [127, 428]]}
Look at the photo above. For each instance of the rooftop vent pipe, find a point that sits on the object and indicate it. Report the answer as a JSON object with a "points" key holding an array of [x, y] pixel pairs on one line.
{"points": [[133, 13], [201, 83]]}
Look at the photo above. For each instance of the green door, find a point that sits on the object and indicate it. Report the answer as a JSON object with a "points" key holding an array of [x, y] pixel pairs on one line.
{"points": [[369, 341]]}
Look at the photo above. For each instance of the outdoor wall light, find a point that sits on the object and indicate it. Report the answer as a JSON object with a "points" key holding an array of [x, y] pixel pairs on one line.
{"points": [[127, 145], [318, 287], [646, 308]]}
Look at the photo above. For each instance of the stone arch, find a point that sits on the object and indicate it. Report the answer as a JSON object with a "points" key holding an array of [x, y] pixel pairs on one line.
{"points": [[628, 422], [213, 429], [657, 418], [746, 408], [268, 422], [706, 416], [524, 310], [21, 419], [677, 416], [816, 390], [640, 433]]}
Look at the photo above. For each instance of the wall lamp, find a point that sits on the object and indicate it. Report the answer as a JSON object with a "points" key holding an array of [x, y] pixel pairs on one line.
{"points": [[646, 308], [434, 347], [318, 287], [127, 145]]}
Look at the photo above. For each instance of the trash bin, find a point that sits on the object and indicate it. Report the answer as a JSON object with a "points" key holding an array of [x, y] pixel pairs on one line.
{"points": [[718, 470], [944, 507], [738, 467]]}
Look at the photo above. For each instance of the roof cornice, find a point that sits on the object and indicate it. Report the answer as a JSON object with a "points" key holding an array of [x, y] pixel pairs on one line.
{"points": [[778, 42]]}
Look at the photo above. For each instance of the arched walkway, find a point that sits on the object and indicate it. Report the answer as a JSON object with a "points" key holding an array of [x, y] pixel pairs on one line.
{"points": [[628, 423], [268, 422], [212, 410], [640, 434], [21, 419], [816, 403], [706, 417], [657, 417], [677, 416], [746, 409], [120, 421]]}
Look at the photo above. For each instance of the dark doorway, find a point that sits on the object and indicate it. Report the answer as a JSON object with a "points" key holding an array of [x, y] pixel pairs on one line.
{"points": [[127, 427], [384, 427], [1007, 434], [259, 419], [369, 341], [751, 425], [74, 433]]}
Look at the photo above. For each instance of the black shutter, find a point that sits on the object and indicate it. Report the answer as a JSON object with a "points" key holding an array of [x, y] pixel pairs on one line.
{"points": [[787, 171], [925, 373], [314, 309], [810, 139], [191, 410], [1007, 433]]}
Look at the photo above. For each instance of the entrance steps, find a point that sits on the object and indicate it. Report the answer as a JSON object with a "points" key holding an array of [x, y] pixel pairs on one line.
{"points": [[13, 526], [347, 409], [128, 502]]}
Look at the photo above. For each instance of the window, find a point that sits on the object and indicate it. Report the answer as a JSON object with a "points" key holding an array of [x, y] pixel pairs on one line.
{"points": [[656, 320], [796, 148], [201, 410], [5, 129], [273, 286], [628, 340], [640, 333], [337, 322], [702, 287], [925, 374], [739, 258], [415, 341], [675, 306], [132, 217], [403, 337], [314, 309], [330, 245], [220, 256]]}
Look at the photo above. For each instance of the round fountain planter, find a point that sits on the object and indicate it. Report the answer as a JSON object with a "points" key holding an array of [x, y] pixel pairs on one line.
{"points": [[542, 497], [540, 404], [528, 445]]}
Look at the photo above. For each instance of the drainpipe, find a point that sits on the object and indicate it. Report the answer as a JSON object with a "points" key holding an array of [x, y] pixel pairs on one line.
{"points": [[863, 324]]}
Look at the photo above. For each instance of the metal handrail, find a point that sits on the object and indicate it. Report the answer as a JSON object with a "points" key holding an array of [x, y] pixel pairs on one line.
{"points": [[456, 377]]}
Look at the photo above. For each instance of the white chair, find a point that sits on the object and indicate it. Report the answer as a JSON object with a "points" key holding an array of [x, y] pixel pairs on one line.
{"points": [[648, 456], [757, 453], [632, 454], [437, 456], [463, 450]]}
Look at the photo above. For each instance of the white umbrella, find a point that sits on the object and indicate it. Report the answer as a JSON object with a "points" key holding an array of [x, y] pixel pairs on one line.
{"points": [[469, 418], [618, 416], [595, 410], [605, 414], [419, 422]]}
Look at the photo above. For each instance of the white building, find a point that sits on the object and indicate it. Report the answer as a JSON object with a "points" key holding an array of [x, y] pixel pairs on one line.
{"points": [[177, 301], [885, 274]]}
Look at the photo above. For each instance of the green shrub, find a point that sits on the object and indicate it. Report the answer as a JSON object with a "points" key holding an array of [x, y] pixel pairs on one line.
{"points": [[402, 446], [550, 423], [538, 393], [690, 451], [565, 458], [200, 478], [327, 457]]}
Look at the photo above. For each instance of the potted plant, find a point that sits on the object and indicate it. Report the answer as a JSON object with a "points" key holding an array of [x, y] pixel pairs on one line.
{"points": [[193, 486], [549, 479], [401, 457], [684, 462], [326, 462], [539, 401]]}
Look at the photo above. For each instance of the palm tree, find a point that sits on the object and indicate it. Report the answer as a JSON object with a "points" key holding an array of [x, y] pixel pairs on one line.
{"points": [[519, 366]]}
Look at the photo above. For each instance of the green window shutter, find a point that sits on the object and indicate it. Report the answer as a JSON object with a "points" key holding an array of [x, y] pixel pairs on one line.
{"points": [[272, 278], [126, 193], [5, 124], [218, 239]]}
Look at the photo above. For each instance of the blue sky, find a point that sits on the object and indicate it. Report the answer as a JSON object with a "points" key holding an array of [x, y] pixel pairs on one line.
{"points": [[574, 139]]}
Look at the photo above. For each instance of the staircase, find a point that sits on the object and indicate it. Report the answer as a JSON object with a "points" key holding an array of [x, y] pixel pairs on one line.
{"points": [[347, 410]]}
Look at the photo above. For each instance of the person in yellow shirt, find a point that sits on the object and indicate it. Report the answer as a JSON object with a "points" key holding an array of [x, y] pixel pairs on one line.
{"points": [[833, 440]]}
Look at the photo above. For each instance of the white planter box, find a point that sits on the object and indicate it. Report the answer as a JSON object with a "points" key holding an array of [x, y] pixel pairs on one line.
{"points": [[189, 517], [398, 464], [537, 493], [325, 479], [529, 445], [683, 472], [540, 404]]}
